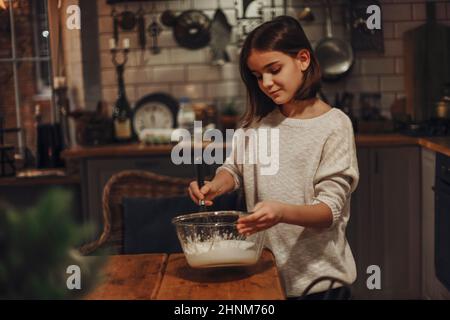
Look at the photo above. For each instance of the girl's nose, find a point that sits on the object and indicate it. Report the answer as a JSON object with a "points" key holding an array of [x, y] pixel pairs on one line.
{"points": [[267, 80]]}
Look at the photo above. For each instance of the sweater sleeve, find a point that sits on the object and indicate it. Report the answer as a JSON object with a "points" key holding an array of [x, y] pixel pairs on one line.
{"points": [[337, 175], [231, 163]]}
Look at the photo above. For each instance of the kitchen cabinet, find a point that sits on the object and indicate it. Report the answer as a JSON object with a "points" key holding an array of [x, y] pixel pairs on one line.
{"points": [[384, 227], [432, 288]]}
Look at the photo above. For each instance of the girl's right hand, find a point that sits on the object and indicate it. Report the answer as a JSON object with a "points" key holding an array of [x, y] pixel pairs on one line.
{"points": [[208, 192]]}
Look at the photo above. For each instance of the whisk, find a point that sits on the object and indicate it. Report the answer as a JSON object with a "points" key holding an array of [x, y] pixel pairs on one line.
{"points": [[201, 182]]}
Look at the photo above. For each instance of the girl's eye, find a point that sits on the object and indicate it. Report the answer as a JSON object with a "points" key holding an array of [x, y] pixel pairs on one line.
{"points": [[275, 71]]}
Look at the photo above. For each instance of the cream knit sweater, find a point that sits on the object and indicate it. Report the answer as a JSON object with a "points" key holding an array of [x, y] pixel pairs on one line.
{"points": [[317, 163]]}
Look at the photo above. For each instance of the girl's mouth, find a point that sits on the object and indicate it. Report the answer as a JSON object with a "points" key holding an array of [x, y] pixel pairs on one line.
{"points": [[275, 92]]}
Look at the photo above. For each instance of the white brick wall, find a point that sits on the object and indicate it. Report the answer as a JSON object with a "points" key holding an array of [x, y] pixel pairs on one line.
{"points": [[184, 72]]}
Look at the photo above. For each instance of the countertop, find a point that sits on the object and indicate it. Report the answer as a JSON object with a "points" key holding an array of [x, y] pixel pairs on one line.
{"points": [[39, 181], [438, 144]]}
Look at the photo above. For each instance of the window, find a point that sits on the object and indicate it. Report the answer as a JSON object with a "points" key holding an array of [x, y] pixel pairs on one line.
{"points": [[25, 67]]}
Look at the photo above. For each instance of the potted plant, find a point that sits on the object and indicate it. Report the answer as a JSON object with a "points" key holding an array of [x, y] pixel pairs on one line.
{"points": [[38, 249]]}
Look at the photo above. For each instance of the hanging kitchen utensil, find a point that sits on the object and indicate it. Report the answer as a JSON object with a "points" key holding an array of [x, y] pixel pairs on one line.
{"points": [[168, 18], [127, 20], [220, 38], [192, 29], [306, 15], [115, 25], [335, 55], [141, 29], [155, 29]]}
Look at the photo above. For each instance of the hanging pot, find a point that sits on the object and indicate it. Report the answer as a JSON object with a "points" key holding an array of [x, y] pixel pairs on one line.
{"points": [[127, 20], [335, 55], [168, 18], [192, 29]]}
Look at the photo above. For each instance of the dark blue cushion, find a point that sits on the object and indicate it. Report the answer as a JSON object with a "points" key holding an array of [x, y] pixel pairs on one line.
{"points": [[147, 221]]}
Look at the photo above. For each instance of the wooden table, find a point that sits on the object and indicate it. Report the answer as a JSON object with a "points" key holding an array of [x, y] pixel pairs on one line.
{"points": [[131, 277], [169, 277]]}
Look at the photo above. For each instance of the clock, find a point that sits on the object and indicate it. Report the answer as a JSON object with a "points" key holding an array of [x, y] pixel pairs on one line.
{"points": [[155, 111]]}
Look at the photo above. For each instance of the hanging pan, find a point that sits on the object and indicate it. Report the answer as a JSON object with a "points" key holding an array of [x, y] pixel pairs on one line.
{"points": [[335, 55]]}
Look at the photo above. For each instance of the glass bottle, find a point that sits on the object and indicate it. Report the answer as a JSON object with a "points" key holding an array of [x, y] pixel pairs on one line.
{"points": [[122, 112]]}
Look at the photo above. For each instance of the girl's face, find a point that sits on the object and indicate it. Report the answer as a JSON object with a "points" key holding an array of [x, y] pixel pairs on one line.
{"points": [[279, 75]]}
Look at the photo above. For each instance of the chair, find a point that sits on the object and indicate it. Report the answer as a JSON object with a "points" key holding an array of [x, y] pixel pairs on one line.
{"points": [[344, 293], [127, 184]]}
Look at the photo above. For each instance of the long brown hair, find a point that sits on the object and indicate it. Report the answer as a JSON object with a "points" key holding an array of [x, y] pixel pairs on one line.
{"points": [[284, 34]]}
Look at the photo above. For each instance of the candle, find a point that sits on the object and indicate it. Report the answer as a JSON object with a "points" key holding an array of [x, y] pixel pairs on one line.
{"points": [[112, 43], [126, 43]]}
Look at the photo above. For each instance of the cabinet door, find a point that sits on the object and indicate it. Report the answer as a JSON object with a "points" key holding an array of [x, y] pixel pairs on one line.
{"points": [[358, 223], [428, 178], [432, 288], [394, 237]]}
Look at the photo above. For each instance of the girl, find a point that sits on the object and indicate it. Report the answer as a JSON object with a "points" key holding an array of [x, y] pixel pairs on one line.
{"points": [[305, 206]]}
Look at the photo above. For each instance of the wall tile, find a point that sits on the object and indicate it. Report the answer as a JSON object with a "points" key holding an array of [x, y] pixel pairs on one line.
{"points": [[105, 24], [377, 66], [103, 8], [392, 83], [149, 59], [139, 75], [362, 83], [165, 39], [396, 12], [388, 30], [169, 74], [399, 65], [109, 94], [192, 90], [393, 48], [105, 60], [181, 55], [230, 71], [223, 89], [143, 90], [203, 72], [418, 11], [109, 77], [205, 4]]}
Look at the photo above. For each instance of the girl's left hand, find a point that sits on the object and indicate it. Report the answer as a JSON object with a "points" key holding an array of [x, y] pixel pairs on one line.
{"points": [[265, 215]]}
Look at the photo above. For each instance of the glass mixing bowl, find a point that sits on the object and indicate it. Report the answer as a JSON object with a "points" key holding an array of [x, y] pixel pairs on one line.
{"points": [[210, 239]]}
